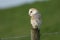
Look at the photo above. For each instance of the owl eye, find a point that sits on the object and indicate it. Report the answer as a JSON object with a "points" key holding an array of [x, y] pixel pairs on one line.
{"points": [[30, 11]]}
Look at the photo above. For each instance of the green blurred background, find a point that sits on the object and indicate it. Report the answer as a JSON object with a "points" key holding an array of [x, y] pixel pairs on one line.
{"points": [[15, 22]]}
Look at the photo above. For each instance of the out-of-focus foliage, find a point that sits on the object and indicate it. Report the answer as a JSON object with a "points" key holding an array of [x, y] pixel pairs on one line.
{"points": [[16, 21]]}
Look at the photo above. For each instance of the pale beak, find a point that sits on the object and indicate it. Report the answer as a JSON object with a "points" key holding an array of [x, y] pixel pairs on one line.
{"points": [[29, 14]]}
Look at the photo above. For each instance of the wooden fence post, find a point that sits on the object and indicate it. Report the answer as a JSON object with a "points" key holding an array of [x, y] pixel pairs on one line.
{"points": [[35, 34]]}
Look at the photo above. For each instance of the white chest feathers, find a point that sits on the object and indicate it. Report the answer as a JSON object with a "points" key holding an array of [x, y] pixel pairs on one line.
{"points": [[35, 21]]}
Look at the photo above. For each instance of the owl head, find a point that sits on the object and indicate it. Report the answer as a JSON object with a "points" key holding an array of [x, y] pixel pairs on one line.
{"points": [[33, 11]]}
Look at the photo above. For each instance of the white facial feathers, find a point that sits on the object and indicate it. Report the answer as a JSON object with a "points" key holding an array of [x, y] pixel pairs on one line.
{"points": [[33, 11]]}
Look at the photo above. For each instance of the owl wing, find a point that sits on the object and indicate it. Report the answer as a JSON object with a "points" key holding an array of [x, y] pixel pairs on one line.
{"points": [[38, 16]]}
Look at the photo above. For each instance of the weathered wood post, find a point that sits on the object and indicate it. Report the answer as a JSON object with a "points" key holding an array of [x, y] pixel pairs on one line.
{"points": [[35, 34]]}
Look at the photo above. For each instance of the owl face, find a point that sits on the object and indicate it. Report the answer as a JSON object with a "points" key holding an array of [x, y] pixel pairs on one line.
{"points": [[33, 11]]}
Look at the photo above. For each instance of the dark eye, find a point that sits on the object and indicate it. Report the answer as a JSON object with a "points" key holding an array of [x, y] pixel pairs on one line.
{"points": [[30, 11]]}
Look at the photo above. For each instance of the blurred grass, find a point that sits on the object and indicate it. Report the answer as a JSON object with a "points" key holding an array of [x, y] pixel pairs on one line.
{"points": [[16, 21]]}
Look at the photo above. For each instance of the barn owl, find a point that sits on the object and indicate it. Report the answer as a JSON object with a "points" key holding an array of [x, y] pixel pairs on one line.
{"points": [[35, 18]]}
